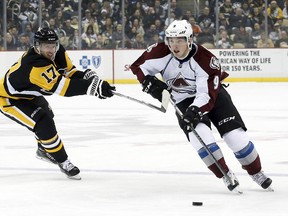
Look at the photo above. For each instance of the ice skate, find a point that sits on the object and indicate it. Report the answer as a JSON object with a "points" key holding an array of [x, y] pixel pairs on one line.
{"points": [[261, 179], [70, 170], [41, 154], [232, 187]]}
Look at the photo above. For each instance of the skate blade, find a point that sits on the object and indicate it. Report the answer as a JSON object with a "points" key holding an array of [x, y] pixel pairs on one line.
{"points": [[235, 188], [270, 188], [237, 191], [76, 177]]}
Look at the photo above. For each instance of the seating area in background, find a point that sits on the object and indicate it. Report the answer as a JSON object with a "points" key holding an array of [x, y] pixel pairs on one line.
{"points": [[240, 23]]}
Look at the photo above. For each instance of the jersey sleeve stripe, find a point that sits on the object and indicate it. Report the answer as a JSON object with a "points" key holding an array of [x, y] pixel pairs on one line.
{"points": [[13, 92], [62, 87]]}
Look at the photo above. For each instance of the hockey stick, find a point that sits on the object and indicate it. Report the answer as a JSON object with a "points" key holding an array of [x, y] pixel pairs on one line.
{"points": [[203, 144], [164, 104]]}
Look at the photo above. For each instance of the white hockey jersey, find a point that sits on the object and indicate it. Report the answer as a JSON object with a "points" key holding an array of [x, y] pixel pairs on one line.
{"points": [[199, 75]]}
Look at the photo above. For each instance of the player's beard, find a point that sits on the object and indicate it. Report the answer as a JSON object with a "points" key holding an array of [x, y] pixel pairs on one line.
{"points": [[50, 56]]}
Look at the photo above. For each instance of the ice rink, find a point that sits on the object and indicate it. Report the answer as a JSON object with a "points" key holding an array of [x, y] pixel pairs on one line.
{"points": [[135, 161]]}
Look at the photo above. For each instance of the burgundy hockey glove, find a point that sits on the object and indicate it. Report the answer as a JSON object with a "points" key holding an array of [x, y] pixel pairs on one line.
{"points": [[153, 86], [192, 117]]}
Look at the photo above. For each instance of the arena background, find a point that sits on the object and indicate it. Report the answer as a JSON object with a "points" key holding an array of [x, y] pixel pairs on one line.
{"points": [[116, 45]]}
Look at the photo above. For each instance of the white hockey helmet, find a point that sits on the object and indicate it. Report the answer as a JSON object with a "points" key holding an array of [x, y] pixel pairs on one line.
{"points": [[180, 28]]}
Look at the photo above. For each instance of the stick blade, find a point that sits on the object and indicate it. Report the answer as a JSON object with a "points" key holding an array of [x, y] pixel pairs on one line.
{"points": [[165, 100]]}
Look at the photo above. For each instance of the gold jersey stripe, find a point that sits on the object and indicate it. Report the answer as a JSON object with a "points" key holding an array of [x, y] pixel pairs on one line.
{"points": [[63, 86], [15, 113], [55, 149], [49, 141]]}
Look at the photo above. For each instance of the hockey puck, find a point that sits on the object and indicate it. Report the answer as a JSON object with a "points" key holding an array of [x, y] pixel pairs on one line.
{"points": [[197, 203]]}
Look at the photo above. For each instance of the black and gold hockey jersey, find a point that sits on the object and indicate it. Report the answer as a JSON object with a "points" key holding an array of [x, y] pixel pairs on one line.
{"points": [[34, 75]]}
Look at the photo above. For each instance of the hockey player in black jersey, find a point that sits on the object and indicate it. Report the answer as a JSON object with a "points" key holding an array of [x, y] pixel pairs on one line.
{"points": [[46, 69], [193, 75]]}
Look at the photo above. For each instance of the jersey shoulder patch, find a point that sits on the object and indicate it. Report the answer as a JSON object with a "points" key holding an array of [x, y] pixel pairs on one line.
{"points": [[157, 50], [214, 63], [206, 59]]}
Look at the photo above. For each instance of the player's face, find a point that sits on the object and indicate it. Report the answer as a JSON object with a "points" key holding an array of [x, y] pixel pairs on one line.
{"points": [[48, 50], [179, 46]]}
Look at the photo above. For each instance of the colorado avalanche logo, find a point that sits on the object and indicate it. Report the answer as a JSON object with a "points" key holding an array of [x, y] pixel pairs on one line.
{"points": [[96, 61], [214, 63], [151, 47], [181, 84]]}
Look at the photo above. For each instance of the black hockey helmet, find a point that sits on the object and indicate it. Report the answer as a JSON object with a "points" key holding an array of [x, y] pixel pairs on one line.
{"points": [[45, 35]]}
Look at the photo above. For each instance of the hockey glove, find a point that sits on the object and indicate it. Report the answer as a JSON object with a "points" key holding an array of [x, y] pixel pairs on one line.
{"points": [[100, 88], [88, 74], [192, 117], [153, 86]]}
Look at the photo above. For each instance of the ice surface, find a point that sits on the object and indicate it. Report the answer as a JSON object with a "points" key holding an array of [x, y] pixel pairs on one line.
{"points": [[135, 161]]}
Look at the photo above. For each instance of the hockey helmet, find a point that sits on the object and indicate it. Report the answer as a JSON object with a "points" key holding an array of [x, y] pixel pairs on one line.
{"points": [[179, 28], [45, 35]]}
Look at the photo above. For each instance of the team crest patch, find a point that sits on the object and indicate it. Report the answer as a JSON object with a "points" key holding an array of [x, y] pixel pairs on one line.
{"points": [[214, 63], [96, 61], [151, 47]]}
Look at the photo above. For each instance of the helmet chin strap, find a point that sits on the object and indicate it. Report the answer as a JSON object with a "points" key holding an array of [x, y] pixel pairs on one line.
{"points": [[36, 48]]}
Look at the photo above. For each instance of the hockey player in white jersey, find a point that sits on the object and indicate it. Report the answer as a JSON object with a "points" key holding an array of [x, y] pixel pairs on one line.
{"points": [[194, 77]]}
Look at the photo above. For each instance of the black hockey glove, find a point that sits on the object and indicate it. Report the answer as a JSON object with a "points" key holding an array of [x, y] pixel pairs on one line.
{"points": [[88, 74], [153, 86], [100, 88], [192, 117]]}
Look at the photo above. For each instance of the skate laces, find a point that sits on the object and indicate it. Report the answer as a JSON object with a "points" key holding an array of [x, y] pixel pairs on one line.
{"points": [[232, 176], [234, 184], [67, 165], [259, 177]]}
